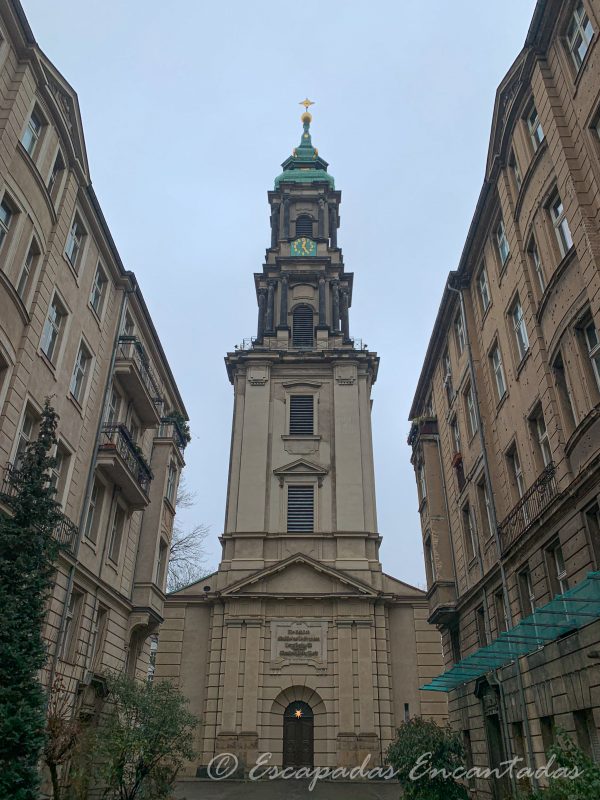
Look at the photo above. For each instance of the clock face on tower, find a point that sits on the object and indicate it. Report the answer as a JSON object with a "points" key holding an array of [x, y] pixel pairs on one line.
{"points": [[303, 247]]}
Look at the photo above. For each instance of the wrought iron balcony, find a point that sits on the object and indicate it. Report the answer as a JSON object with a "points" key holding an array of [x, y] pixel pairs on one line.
{"points": [[271, 343], [171, 429], [535, 500], [138, 379], [65, 531], [120, 458]]}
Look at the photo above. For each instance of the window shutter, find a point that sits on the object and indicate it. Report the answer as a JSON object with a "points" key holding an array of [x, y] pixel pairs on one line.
{"points": [[303, 326], [301, 505], [301, 414], [304, 226]]}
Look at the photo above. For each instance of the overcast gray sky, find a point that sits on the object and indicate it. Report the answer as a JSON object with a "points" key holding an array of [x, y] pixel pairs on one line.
{"points": [[189, 108]]}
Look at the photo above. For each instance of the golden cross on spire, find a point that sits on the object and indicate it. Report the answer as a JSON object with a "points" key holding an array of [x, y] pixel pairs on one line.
{"points": [[306, 103]]}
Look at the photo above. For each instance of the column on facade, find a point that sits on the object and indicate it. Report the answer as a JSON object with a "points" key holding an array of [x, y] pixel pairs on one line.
{"points": [[251, 676], [230, 676], [345, 677], [283, 304], [335, 321], [275, 226], [270, 306], [333, 225], [286, 218], [365, 677], [262, 299], [322, 312], [321, 218], [344, 315]]}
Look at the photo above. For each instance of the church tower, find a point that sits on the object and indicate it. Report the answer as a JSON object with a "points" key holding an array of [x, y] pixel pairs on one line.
{"points": [[300, 645]]}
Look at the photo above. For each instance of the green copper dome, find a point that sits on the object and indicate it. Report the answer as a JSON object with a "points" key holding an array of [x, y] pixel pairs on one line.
{"points": [[305, 165]]}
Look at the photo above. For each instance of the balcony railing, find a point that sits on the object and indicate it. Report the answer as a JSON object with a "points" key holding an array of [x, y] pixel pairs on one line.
{"points": [[535, 500], [65, 531], [170, 429], [131, 348], [271, 343], [117, 437]]}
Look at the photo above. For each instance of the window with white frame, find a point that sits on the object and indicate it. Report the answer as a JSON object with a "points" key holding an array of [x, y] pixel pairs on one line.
{"points": [[519, 328], [484, 288], [537, 263], [469, 531], [300, 508], [526, 593], [579, 34], [502, 243], [94, 510], [302, 412], [485, 508], [517, 472], [541, 434], [496, 359], [98, 636], [161, 564], [429, 560], [53, 329], [514, 164], [28, 269], [59, 472], [6, 215], [455, 434], [74, 243], [98, 290], [561, 226], [53, 179], [565, 395], [422, 481], [447, 366], [592, 340], [116, 534], [171, 482], [80, 373], [32, 133], [557, 571], [113, 407], [26, 435], [536, 132], [459, 330], [471, 411], [71, 629]]}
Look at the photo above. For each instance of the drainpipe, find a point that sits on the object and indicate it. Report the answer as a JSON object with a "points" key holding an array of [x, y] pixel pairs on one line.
{"points": [[488, 483], [90, 477]]}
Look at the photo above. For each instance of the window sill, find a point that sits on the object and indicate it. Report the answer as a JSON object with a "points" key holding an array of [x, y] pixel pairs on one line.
{"points": [[76, 403], [422, 505], [303, 437], [72, 269], [97, 317], [521, 364], [485, 313], [48, 363], [503, 268], [92, 545], [501, 402], [169, 505]]}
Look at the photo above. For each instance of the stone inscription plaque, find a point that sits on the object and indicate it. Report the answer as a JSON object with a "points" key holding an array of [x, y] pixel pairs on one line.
{"points": [[295, 642]]}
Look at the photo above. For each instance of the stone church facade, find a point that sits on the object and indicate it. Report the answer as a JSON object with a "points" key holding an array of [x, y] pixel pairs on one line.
{"points": [[300, 645]]}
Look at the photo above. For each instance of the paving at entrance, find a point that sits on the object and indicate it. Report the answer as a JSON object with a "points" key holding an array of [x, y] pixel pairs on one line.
{"points": [[290, 790]]}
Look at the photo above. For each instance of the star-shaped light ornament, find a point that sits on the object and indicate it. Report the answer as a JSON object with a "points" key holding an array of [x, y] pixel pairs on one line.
{"points": [[297, 713]]}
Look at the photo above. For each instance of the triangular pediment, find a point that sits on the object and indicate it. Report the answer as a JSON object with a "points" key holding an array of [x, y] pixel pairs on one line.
{"points": [[301, 466], [299, 575]]}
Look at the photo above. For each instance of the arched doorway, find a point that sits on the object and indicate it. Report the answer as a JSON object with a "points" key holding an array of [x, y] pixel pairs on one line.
{"points": [[298, 735]]}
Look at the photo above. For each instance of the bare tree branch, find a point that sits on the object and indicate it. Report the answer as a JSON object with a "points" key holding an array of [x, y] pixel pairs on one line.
{"points": [[187, 555]]}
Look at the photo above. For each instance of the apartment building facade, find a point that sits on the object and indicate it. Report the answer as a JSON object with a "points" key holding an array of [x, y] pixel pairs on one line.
{"points": [[74, 327], [505, 431]]}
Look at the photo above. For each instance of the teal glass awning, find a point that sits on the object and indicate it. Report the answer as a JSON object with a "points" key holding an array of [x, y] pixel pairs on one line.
{"points": [[566, 612]]}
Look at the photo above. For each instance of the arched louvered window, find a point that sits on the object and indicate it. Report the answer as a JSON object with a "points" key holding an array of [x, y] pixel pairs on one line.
{"points": [[303, 328], [304, 226]]}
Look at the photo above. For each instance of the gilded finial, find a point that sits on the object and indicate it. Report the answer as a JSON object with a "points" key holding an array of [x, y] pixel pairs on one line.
{"points": [[306, 116], [306, 103]]}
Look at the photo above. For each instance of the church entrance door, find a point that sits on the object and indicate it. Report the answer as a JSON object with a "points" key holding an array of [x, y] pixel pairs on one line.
{"points": [[298, 735]]}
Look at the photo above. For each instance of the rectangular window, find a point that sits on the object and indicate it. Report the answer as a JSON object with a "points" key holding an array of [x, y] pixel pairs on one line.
{"points": [[501, 622], [498, 369], [448, 377], [98, 638], [161, 564], [53, 329], [302, 414], [482, 636], [537, 264], [171, 482], [520, 329], [98, 290], [514, 164], [455, 434], [455, 643], [526, 594], [301, 508], [28, 270], [57, 168], [422, 481], [459, 330], [26, 435], [548, 732], [471, 411], [534, 125], [429, 561], [116, 534], [485, 509], [592, 521], [32, 132], [541, 436], [72, 623], [592, 340], [579, 34], [469, 531], [484, 289], [75, 243], [58, 473], [517, 472], [561, 226], [94, 510], [587, 733], [80, 373], [113, 408], [564, 395], [6, 215], [502, 243], [557, 572]]}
